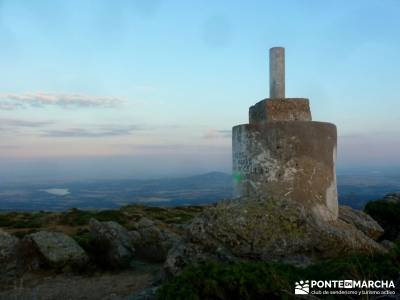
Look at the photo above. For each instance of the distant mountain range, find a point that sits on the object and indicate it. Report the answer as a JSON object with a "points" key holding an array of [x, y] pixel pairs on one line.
{"points": [[194, 190]]}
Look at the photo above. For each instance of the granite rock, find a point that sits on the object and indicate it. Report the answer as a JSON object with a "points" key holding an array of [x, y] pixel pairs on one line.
{"points": [[361, 221], [115, 241]]}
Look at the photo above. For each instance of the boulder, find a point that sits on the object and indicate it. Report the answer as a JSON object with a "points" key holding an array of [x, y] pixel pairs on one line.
{"points": [[8, 259], [145, 223], [151, 242], [186, 253], [266, 230], [392, 197], [361, 221], [115, 243], [51, 249]]}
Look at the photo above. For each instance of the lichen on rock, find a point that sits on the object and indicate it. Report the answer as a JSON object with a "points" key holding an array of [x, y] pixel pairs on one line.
{"points": [[266, 229], [361, 221], [52, 249]]}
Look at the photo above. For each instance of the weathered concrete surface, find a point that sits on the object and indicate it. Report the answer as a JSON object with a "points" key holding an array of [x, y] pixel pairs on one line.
{"points": [[294, 161], [289, 109], [277, 72]]}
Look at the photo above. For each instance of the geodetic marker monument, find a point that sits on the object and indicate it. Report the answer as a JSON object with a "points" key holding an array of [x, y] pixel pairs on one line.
{"points": [[286, 207], [282, 153]]}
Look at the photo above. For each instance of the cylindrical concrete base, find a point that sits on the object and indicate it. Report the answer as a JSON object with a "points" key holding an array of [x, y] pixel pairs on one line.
{"points": [[288, 160]]}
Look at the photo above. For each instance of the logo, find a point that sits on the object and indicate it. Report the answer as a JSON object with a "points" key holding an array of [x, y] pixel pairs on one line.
{"points": [[348, 284], [302, 287], [345, 287]]}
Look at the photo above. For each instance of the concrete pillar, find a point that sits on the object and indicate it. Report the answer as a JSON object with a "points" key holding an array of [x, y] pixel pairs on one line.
{"points": [[277, 73], [287, 160], [282, 154]]}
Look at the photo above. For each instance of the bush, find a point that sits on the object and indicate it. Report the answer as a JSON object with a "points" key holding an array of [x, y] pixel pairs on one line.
{"points": [[176, 215], [84, 239], [386, 213], [110, 215], [266, 280], [231, 281], [91, 247], [77, 217], [23, 220]]}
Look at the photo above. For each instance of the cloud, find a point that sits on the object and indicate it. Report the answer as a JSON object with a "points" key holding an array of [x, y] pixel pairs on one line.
{"points": [[52, 129], [9, 147], [217, 134], [103, 131], [40, 99], [23, 123], [9, 106], [16, 127], [174, 148]]}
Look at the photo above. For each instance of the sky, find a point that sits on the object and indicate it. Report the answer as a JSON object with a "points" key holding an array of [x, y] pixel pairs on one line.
{"points": [[150, 88]]}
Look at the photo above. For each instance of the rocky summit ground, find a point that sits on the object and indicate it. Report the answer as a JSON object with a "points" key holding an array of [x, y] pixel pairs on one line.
{"points": [[100, 285], [136, 252], [51, 274]]}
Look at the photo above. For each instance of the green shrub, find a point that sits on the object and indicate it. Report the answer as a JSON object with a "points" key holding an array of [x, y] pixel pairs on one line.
{"points": [[266, 280], [386, 213], [77, 217], [110, 215], [5, 220], [23, 220], [84, 239], [176, 215], [91, 247], [373, 267], [231, 281]]}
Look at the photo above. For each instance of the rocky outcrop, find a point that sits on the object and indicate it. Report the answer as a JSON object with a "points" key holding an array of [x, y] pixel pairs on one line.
{"points": [[8, 247], [392, 197], [151, 242], [266, 230], [361, 221], [51, 249], [187, 253], [386, 212], [115, 242]]}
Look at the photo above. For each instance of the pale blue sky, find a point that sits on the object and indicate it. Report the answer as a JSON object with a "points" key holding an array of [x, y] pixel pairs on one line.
{"points": [[166, 80]]}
